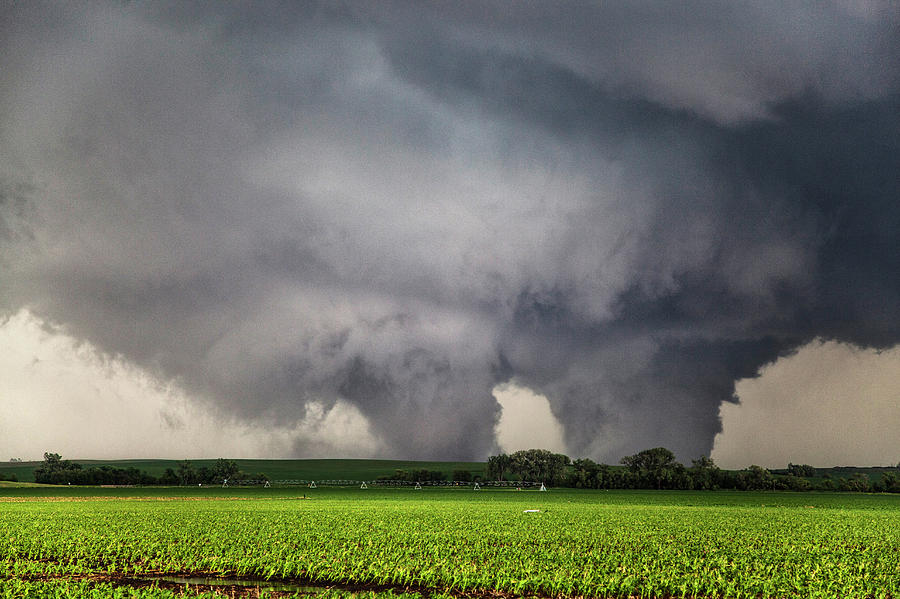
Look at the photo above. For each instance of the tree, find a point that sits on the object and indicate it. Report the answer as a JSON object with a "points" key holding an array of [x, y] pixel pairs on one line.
{"points": [[858, 482], [225, 470], [186, 473], [55, 470], [498, 465], [424, 474], [463, 476], [169, 478], [585, 474], [655, 465], [539, 465], [794, 483], [802, 470], [52, 461], [206, 475], [890, 482], [705, 475], [756, 478]]}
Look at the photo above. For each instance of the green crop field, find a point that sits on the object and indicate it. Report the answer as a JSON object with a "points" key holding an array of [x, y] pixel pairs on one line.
{"points": [[104, 542]]}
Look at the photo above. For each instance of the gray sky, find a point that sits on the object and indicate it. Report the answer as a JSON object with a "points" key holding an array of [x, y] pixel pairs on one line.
{"points": [[346, 224]]}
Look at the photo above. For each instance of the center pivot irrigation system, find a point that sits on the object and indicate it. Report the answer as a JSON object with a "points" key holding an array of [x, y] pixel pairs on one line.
{"points": [[365, 484]]}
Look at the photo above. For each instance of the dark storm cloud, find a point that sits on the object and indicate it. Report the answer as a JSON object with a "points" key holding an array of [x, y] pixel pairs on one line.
{"points": [[625, 207]]}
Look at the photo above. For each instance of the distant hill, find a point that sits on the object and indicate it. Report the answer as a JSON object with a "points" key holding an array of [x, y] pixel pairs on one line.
{"points": [[837, 472], [274, 469]]}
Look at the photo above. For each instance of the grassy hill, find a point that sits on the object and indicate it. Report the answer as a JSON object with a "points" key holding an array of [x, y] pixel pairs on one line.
{"points": [[23, 471], [274, 469], [5, 484]]}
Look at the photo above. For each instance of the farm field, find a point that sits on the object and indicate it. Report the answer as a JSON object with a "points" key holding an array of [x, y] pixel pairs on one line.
{"points": [[455, 542]]}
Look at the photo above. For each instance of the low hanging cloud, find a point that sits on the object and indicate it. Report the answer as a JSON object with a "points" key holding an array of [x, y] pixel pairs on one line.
{"points": [[395, 208], [62, 395]]}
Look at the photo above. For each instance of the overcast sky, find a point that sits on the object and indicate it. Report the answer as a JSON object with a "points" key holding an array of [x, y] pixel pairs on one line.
{"points": [[414, 229]]}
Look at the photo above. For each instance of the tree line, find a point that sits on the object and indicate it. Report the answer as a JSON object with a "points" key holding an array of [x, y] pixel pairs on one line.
{"points": [[657, 468], [654, 468], [56, 471], [422, 475]]}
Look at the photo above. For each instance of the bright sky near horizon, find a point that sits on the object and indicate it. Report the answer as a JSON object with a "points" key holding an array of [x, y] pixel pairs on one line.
{"points": [[435, 230]]}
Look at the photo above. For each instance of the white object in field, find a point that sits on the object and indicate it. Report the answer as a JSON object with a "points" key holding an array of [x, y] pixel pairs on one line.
{"points": [[267, 485], [312, 485], [543, 488], [224, 483], [418, 487], [364, 485], [477, 487], [532, 512]]}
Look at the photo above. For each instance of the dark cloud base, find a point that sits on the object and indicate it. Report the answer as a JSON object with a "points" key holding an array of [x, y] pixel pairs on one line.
{"points": [[401, 208]]}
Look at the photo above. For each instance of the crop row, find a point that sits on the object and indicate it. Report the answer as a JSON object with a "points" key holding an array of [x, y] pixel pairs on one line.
{"points": [[447, 541], [64, 589], [86, 589]]}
